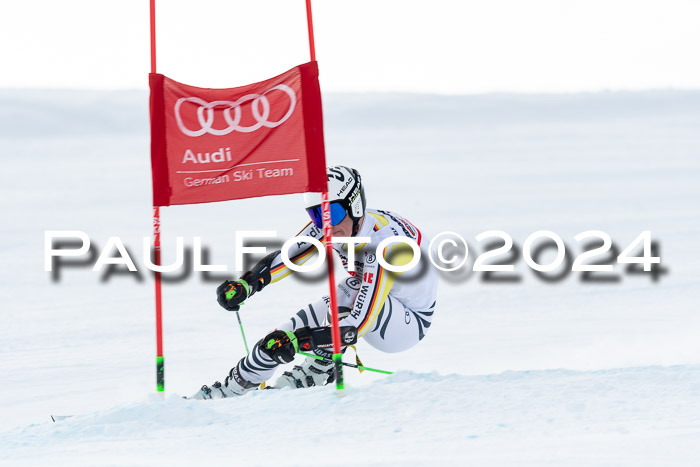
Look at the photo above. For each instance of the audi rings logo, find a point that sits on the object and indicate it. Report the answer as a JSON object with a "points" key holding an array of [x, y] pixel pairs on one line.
{"points": [[233, 114]]}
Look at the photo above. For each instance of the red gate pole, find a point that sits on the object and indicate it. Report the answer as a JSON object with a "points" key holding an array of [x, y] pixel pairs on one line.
{"points": [[153, 35], [310, 23], [160, 375], [328, 237]]}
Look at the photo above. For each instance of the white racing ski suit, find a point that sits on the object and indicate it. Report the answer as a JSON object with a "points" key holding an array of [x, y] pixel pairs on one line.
{"points": [[392, 311]]}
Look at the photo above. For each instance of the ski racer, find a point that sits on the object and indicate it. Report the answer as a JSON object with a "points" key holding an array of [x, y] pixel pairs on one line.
{"points": [[391, 314]]}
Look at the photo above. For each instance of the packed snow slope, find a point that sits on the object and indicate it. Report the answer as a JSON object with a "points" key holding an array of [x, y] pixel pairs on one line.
{"points": [[530, 418], [521, 371]]}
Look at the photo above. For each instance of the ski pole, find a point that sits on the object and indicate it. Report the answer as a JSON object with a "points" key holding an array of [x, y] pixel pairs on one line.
{"points": [[230, 293], [245, 343], [351, 365]]}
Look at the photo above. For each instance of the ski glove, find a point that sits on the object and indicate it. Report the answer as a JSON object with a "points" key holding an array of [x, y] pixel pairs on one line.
{"points": [[280, 346], [232, 294]]}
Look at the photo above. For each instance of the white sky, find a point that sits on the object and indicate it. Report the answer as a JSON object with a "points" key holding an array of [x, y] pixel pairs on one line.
{"points": [[362, 45]]}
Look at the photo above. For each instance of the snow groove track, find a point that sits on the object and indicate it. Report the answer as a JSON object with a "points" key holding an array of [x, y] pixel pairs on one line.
{"points": [[618, 416]]}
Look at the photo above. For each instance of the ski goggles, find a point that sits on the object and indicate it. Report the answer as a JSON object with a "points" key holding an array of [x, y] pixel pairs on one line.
{"points": [[338, 213]]}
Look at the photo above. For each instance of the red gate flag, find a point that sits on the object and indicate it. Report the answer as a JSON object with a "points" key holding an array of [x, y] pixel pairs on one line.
{"points": [[261, 139]]}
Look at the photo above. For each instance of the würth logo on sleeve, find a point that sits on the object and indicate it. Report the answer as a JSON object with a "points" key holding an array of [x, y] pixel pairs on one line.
{"points": [[196, 117]]}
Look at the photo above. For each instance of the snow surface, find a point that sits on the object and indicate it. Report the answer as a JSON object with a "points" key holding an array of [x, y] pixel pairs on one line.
{"points": [[527, 373]]}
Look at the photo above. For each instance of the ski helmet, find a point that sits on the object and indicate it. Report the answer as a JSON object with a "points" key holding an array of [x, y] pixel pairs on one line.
{"points": [[346, 196]]}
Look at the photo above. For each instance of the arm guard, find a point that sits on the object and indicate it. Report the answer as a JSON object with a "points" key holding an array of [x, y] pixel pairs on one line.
{"points": [[259, 276]]}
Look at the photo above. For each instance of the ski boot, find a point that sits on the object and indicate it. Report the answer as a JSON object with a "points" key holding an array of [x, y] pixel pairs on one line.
{"points": [[310, 373], [233, 386]]}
